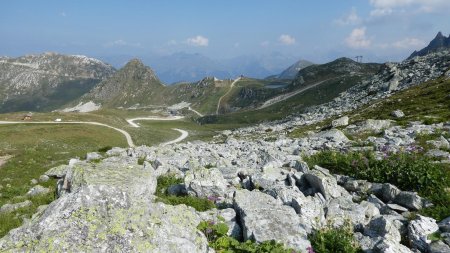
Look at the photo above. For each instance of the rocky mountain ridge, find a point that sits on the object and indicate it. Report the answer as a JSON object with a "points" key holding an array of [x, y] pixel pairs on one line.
{"points": [[48, 80], [440, 42]]}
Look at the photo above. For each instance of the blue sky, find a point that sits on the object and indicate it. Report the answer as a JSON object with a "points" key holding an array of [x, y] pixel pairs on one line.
{"points": [[319, 30]]}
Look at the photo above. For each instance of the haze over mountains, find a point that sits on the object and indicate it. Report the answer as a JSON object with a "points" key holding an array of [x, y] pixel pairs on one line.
{"points": [[190, 67]]}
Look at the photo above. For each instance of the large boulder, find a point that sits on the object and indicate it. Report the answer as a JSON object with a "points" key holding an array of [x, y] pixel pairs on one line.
{"points": [[409, 200], [108, 208], [332, 135], [263, 218], [370, 125], [343, 210], [322, 181], [343, 121], [386, 226], [203, 182]]}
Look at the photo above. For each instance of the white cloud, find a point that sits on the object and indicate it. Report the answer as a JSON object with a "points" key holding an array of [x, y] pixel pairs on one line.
{"points": [[63, 14], [351, 19], [198, 41], [409, 43], [358, 39], [387, 7], [122, 43], [286, 39]]}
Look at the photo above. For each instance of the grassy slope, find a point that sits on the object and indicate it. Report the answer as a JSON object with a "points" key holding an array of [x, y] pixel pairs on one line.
{"points": [[427, 102], [36, 149]]}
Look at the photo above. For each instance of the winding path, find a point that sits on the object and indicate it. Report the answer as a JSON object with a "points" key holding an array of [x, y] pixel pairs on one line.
{"points": [[184, 134], [125, 133], [224, 95]]}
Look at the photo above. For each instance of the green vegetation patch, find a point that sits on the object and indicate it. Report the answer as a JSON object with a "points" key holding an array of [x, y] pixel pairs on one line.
{"points": [[334, 240], [35, 149], [164, 182], [409, 172], [216, 233]]}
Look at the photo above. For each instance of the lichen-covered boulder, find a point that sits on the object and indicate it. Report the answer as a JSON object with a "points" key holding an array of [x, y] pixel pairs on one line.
{"points": [[108, 207]]}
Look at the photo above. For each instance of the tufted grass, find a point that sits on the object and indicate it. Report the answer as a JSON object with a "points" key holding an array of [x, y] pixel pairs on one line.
{"points": [[164, 182]]}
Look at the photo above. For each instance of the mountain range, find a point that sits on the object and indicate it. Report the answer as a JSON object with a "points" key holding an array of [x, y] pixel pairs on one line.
{"points": [[52, 81]]}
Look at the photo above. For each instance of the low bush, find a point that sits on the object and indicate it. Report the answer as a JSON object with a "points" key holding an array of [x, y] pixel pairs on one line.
{"points": [[164, 182], [409, 172], [334, 240]]}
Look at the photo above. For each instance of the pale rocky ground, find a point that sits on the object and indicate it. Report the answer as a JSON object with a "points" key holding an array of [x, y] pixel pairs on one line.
{"points": [[264, 189]]}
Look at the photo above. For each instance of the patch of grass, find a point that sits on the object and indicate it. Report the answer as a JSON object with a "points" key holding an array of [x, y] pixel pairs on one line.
{"points": [[36, 149], [334, 240], [409, 172], [216, 233], [427, 102], [104, 149], [164, 182]]}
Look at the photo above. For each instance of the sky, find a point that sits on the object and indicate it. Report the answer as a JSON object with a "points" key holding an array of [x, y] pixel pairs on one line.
{"points": [[319, 30]]}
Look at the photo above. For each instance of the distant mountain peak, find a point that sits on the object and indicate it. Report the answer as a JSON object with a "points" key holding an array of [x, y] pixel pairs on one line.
{"points": [[440, 42]]}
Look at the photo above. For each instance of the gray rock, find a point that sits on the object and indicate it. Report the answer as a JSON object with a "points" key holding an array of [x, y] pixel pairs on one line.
{"points": [[263, 218], [446, 238], [37, 190], [398, 114], [332, 135], [8, 208], [409, 200], [419, 230], [34, 181], [93, 156], [438, 247], [202, 182], [58, 172], [388, 246], [343, 121], [397, 208], [370, 125], [444, 225], [43, 178], [384, 226], [323, 182], [389, 192], [311, 210], [436, 153], [342, 210]]}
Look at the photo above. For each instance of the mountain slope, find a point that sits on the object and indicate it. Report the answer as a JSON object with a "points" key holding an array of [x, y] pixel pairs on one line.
{"points": [[440, 42], [291, 72], [131, 85], [47, 81]]}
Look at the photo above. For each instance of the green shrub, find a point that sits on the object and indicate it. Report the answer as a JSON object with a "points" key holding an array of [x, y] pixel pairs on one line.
{"points": [[104, 149], [141, 160], [409, 172], [334, 240], [164, 182], [216, 233]]}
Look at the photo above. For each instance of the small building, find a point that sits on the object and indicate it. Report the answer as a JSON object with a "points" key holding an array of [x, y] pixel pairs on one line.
{"points": [[27, 116], [58, 120]]}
